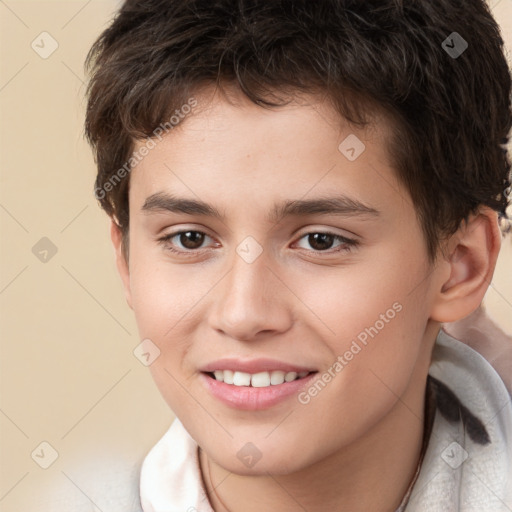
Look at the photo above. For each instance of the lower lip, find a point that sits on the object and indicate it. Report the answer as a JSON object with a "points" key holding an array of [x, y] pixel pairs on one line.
{"points": [[254, 399]]}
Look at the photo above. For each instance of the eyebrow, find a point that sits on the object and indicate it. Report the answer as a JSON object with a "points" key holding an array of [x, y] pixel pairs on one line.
{"points": [[333, 205]]}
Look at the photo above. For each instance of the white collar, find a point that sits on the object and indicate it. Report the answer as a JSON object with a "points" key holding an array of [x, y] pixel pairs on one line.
{"points": [[171, 478]]}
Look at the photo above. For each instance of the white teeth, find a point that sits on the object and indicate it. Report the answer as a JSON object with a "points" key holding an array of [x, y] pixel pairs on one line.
{"points": [[242, 379], [277, 377], [290, 376], [228, 376], [260, 380], [257, 380]]}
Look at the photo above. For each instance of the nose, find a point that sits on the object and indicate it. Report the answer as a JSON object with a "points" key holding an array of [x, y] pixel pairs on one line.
{"points": [[251, 301]]}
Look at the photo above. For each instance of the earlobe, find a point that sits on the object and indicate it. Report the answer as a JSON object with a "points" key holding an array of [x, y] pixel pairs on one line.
{"points": [[121, 263], [471, 259]]}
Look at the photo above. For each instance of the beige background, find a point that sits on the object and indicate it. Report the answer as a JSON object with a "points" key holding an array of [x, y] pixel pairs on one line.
{"points": [[68, 373]]}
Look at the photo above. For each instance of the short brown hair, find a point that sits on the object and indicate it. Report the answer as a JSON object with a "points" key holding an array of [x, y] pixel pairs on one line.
{"points": [[452, 113]]}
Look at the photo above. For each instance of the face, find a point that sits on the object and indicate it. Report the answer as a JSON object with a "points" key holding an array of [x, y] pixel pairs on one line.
{"points": [[266, 243]]}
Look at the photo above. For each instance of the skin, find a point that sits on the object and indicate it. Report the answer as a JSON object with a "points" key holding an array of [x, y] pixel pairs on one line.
{"points": [[355, 446]]}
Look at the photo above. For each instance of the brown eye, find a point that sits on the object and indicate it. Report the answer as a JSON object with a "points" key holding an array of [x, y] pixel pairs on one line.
{"points": [[323, 241], [191, 239], [320, 241], [184, 242]]}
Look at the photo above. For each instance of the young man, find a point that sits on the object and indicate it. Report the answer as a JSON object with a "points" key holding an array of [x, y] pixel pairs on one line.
{"points": [[301, 193]]}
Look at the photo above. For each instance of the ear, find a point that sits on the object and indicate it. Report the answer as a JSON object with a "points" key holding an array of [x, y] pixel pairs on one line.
{"points": [[467, 267], [121, 263]]}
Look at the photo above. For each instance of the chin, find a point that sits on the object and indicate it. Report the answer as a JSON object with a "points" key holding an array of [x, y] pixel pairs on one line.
{"points": [[278, 464], [260, 457]]}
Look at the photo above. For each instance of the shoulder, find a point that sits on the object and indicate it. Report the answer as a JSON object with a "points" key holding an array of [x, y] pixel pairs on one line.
{"points": [[483, 335], [467, 463], [112, 486]]}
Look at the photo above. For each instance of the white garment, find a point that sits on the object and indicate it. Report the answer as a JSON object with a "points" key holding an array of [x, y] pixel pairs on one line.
{"points": [[171, 478]]}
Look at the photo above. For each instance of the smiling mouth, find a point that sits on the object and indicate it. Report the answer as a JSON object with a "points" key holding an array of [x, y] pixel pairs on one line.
{"points": [[256, 380]]}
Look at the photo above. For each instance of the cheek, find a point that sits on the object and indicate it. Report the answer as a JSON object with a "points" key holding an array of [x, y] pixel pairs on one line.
{"points": [[374, 317], [344, 301], [163, 294], [166, 302], [373, 365]]}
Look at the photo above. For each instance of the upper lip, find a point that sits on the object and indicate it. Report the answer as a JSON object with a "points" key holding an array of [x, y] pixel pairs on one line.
{"points": [[254, 366]]}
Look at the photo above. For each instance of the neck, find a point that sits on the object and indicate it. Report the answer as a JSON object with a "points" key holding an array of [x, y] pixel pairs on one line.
{"points": [[373, 473]]}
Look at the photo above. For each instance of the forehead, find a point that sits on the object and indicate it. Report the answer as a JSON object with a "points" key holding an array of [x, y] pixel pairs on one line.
{"points": [[229, 145], [229, 112]]}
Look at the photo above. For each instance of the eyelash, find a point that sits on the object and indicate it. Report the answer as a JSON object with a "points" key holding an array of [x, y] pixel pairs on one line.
{"points": [[347, 246]]}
